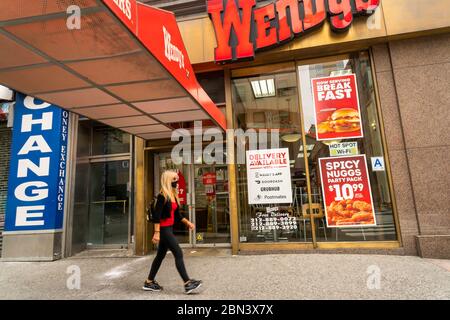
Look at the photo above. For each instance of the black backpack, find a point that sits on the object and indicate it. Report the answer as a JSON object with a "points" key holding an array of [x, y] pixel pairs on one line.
{"points": [[151, 209]]}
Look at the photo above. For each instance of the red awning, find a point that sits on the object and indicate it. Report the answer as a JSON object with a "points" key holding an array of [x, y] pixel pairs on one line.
{"points": [[126, 65]]}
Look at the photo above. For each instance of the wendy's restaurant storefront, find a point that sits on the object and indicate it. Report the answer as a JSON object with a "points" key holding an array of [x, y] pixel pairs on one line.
{"points": [[292, 130], [323, 98]]}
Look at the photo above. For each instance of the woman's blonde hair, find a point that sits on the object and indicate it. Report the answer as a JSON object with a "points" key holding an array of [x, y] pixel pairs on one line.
{"points": [[167, 191]]}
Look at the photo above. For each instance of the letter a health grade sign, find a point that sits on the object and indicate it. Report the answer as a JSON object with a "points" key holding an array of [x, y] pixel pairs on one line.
{"points": [[38, 166]]}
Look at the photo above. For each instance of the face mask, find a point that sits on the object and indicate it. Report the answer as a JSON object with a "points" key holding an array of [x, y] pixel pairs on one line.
{"points": [[174, 184]]}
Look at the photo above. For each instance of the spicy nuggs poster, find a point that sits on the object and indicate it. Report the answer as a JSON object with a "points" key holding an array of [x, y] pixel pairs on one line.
{"points": [[346, 191]]}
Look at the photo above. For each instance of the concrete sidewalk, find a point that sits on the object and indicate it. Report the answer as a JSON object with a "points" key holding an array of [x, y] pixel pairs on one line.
{"points": [[280, 276]]}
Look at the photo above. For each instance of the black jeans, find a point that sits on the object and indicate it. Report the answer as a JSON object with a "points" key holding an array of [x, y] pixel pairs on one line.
{"points": [[168, 241]]}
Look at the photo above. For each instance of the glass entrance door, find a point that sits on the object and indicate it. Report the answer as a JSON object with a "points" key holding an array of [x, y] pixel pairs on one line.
{"points": [[212, 216], [204, 196], [109, 203], [163, 161], [103, 188]]}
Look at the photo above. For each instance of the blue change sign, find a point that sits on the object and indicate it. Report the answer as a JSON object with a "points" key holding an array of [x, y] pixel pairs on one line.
{"points": [[37, 175]]}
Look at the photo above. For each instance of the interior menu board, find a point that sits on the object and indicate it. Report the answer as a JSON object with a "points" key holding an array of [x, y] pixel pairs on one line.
{"points": [[269, 176], [346, 191], [337, 111]]}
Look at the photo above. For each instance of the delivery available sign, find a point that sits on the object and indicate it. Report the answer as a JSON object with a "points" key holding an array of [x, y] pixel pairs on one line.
{"points": [[337, 111], [346, 191], [269, 176]]}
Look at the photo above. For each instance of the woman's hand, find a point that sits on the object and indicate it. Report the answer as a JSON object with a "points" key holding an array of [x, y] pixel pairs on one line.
{"points": [[155, 239], [190, 225]]}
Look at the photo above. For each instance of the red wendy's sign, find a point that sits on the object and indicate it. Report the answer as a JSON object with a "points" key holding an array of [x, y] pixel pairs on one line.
{"points": [[241, 28]]}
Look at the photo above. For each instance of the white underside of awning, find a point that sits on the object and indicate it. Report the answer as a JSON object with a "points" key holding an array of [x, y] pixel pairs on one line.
{"points": [[100, 71]]}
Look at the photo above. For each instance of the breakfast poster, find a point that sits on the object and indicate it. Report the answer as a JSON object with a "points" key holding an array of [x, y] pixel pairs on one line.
{"points": [[346, 192], [337, 112]]}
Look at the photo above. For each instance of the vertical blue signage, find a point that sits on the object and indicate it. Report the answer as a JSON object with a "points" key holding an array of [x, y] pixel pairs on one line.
{"points": [[37, 173]]}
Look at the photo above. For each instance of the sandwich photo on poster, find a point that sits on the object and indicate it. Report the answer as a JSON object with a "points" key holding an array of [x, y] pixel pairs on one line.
{"points": [[346, 192], [337, 111]]}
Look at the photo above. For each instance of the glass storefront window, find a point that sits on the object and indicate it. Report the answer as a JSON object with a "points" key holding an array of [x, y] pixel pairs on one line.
{"points": [[101, 215], [109, 203], [107, 140], [97, 139], [214, 85], [270, 102], [281, 98], [84, 138], [370, 145]]}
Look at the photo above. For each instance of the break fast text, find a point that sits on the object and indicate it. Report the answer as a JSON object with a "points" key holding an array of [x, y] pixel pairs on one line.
{"points": [[336, 89], [251, 29]]}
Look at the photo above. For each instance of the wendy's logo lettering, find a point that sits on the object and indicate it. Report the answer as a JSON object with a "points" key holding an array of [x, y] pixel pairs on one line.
{"points": [[125, 7], [171, 51], [242, 28]]}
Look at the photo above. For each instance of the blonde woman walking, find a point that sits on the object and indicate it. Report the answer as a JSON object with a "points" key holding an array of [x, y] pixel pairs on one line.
{"points": [[167, 211]]}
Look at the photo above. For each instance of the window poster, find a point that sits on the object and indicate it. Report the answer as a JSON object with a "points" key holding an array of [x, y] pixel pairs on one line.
{"points": [[181, 187], [209, 178], [269, 176], [346, 191], [337, 111]]}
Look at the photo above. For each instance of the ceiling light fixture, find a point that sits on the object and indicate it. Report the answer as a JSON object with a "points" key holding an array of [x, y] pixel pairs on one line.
{"points": [[263, 88], [293, 137]]}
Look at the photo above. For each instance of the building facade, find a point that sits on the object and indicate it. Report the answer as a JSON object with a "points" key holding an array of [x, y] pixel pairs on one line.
{"points": [[398, 60]]}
